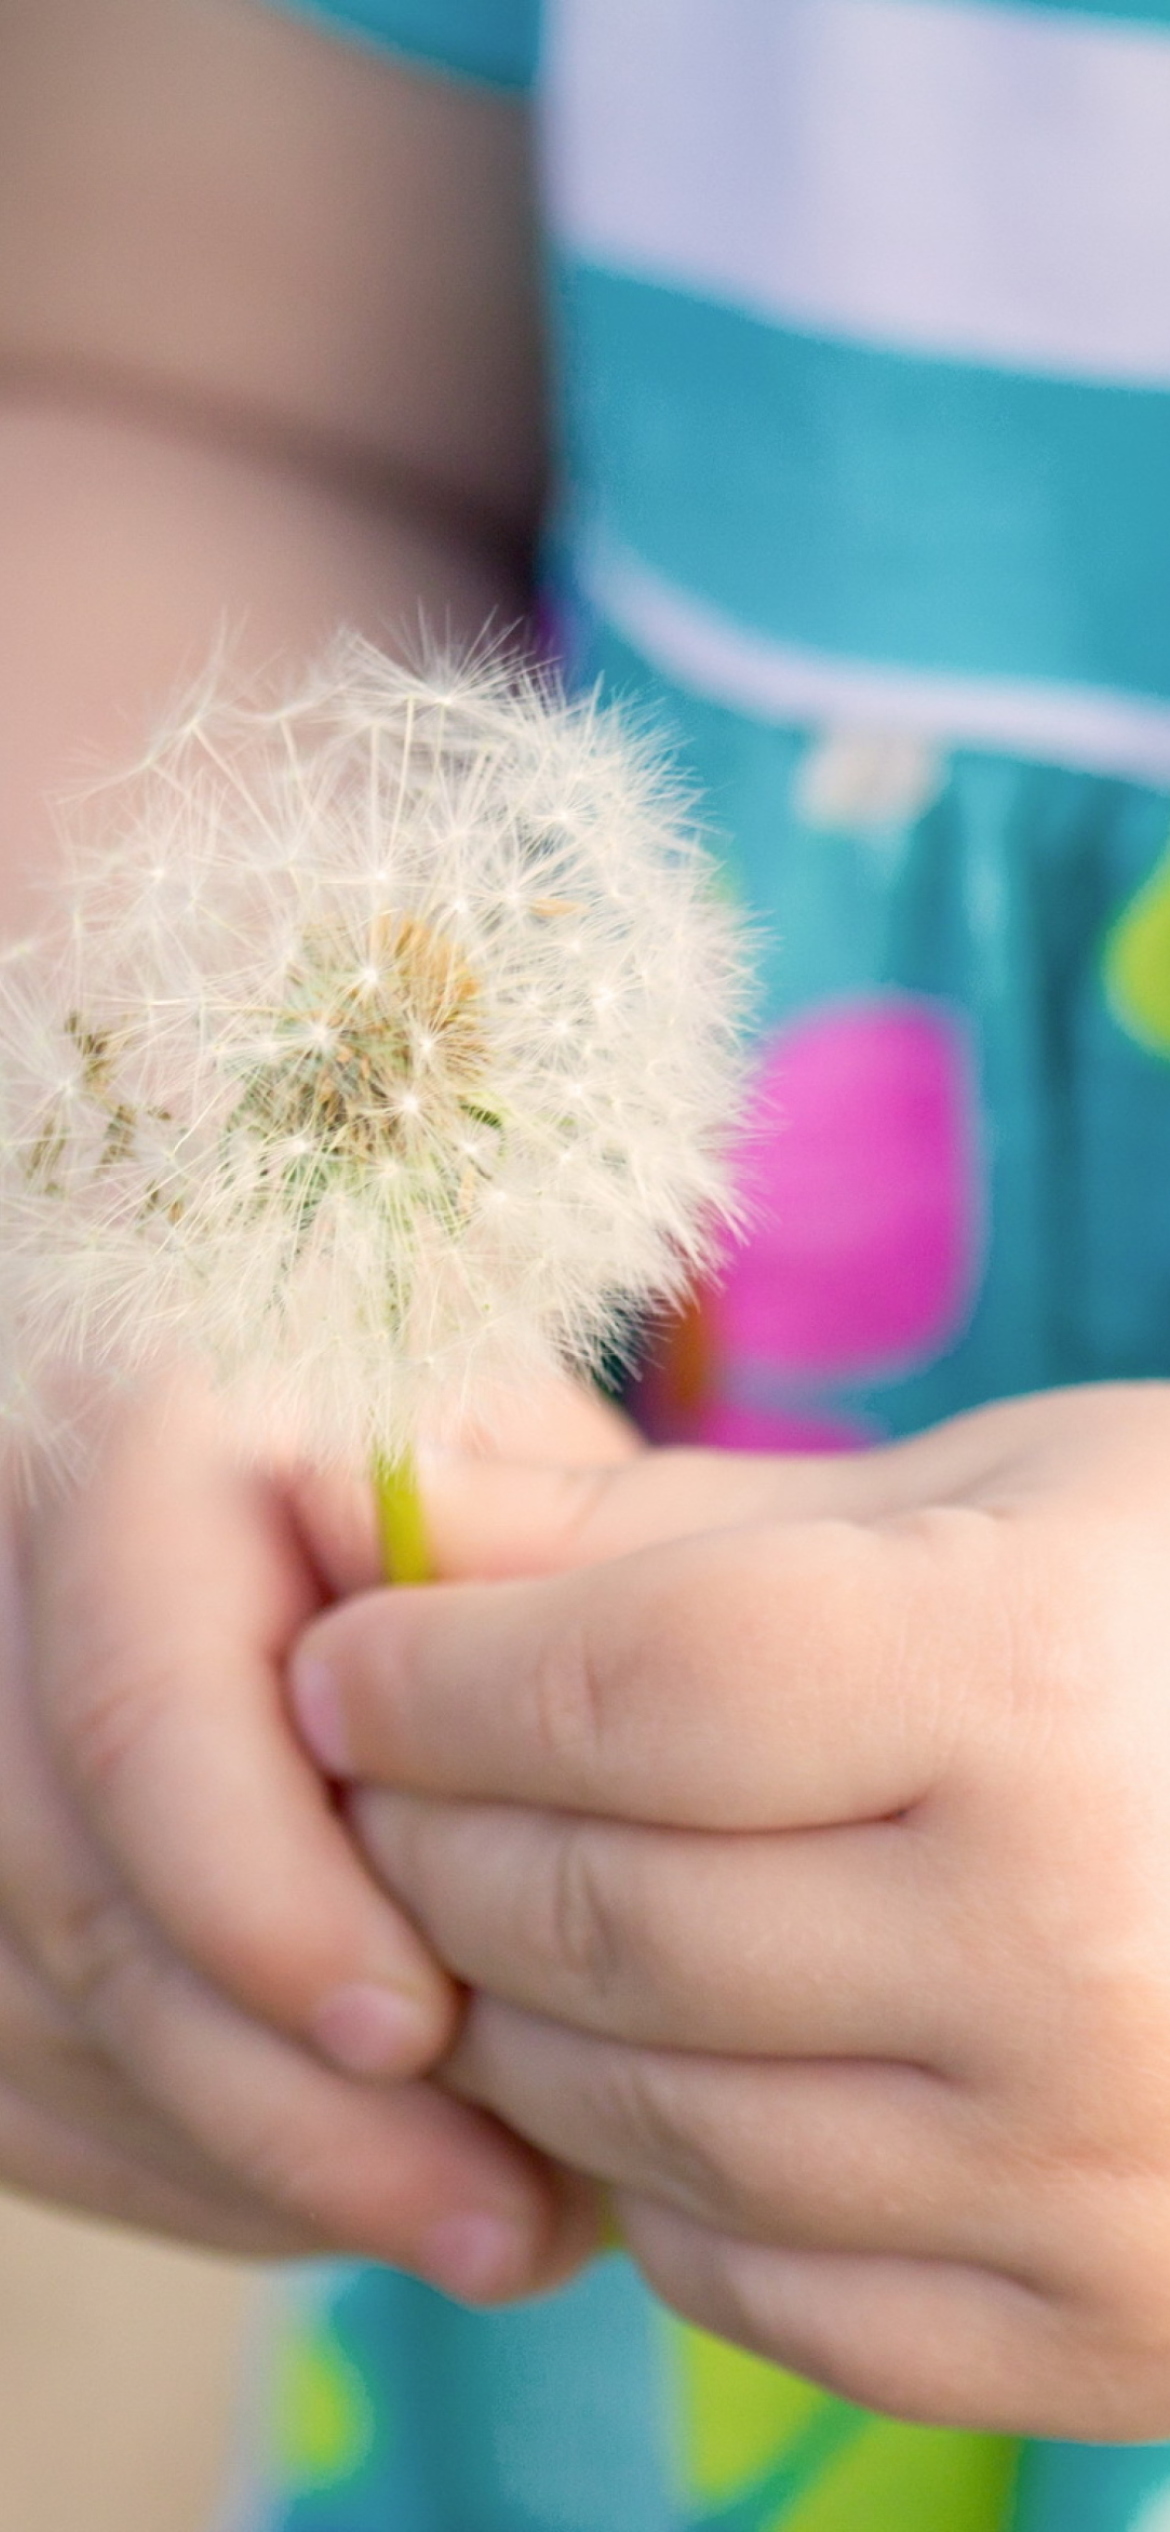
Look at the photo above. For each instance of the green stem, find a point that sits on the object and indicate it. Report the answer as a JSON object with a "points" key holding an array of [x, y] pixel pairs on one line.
{"points": [[402, 1526]]}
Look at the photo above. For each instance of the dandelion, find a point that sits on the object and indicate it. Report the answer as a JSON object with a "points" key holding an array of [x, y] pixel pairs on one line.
{"points": [[383, 1051]]}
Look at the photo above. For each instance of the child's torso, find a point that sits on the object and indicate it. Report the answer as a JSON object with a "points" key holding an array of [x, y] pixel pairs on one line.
{"points": [[862, 311]]}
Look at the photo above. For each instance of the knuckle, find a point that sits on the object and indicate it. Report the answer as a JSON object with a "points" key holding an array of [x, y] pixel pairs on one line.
{"points": [[571, 1717], [599, 1672], [88, 1949], [744, 2310], [1080, 1601], [586, 1938], [104, 1722], [282, 2165], [670, 2141]]}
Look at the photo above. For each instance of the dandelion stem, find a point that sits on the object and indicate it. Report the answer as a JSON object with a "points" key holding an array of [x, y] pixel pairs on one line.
{"points": [[402, 1528]]}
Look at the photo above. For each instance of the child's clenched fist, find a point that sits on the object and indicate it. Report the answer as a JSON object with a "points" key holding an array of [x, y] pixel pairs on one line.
{"points": [[210, 2018], [807, 1840]]}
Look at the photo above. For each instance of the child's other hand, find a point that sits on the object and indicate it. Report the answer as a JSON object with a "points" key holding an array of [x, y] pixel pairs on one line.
{"points": [[199, 1985], [812, 1860]]}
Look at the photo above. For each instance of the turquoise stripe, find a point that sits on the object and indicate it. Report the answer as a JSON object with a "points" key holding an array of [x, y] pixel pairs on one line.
{"points": [[915, 512], [1092, 2488], [491, 40], [1142, 12]]}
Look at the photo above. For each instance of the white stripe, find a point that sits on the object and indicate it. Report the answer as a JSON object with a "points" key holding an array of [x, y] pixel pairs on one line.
{"points": [[1086, 727], [985, 183]]}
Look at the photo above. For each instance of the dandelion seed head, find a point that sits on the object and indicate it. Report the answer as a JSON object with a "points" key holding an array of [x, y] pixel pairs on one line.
{"points": [[309, 1084]]}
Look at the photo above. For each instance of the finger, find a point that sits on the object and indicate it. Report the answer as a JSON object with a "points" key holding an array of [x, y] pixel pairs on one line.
{"points": [[163, 1603], [52, 2158], [236, 2134], [403, 2174], [337, 1518], [55, 2066], [75, 2098], [557, 1426], [554, 1423], [72, 2129], [935, 2341], [174, 2052], [545, 1515], [814, 1945], [752, 1679], [815, 2154], [548, 1514], [307, 2161]]}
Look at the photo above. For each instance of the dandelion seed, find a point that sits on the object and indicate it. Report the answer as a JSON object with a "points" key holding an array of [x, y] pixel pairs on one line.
{"points": [[313, 1090]]}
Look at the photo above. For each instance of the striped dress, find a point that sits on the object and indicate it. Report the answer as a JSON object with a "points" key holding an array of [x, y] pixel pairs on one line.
{"points": [[862, 323]]}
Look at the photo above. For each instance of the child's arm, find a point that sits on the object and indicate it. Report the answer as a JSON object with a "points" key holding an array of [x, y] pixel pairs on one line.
{"points": [[812, 1855], [267, 362]]}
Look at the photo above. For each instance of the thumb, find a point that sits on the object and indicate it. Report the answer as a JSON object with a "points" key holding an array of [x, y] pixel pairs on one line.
{"points": [[492, 1519]]}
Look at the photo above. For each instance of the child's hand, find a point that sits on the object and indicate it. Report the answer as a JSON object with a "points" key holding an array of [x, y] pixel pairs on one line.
{"points": [[813, 1861], [197, 1979]]}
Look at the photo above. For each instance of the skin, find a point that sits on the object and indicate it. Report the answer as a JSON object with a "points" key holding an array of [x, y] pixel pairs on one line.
{"points": [[803, 1830], [180, 1904], [269, 363]]}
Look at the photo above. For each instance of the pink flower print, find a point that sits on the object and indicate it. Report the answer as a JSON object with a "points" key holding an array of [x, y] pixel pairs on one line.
{"points": [[726, 1426], [862, 1169]]}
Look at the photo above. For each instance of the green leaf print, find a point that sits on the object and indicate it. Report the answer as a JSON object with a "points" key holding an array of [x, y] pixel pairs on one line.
{"points": [[762, 2451], [764, 2506]]}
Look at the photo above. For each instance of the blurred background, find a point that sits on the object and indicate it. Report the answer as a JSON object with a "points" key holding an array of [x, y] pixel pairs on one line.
{"points": [[120, 2365]]}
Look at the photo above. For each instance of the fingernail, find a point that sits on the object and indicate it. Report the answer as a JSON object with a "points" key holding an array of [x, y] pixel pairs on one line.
{"points": [[370, 2030], [316, 1703], [476, 2258]]}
